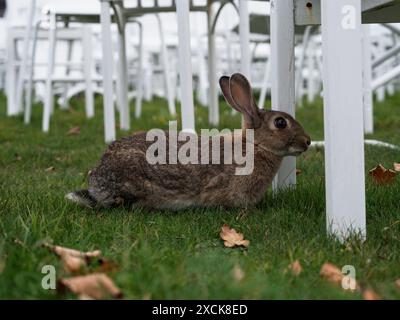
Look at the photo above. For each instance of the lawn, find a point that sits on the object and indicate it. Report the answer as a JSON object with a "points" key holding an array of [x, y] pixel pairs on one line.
{"points": [[166, 255]]}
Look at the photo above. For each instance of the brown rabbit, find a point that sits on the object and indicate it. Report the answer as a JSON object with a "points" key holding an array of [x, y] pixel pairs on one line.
{"points": [[125, 176]]}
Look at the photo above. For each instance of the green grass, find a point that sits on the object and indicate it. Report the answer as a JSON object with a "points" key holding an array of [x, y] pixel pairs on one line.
{"points": [[165, 255]]}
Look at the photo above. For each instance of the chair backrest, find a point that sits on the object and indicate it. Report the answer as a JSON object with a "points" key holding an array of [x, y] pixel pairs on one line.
{"points": [[17, 10]]}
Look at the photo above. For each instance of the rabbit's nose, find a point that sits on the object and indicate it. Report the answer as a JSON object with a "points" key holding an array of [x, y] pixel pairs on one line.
{"points": [[306, 140]]}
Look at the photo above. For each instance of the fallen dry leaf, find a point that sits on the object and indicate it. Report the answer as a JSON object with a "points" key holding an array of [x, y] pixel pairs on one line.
{"points": [[298, 171], [295, 267], [381, 175], [331, 273], [396, 166], [92, 286], [369, 294], [232, 238], [50, 169], [74, 260], [74, 131], [238, 273], [72, 252]]}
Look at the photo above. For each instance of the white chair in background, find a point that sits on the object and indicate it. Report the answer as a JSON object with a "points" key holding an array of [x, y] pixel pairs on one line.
{"points": [[17, 12], [148, 69], [182, 8], [69, 81], [386, 63], [28, 63], [63, 12]]}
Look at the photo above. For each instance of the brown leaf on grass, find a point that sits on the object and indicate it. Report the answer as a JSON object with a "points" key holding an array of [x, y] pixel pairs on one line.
{"points": [[50, 169], [396, 166], [232, 238], [75, 253], [238, 273], [380, 175], [331, 273], [73, 260], [92, 286], [298, 171], [74, 131], [369, 294], [296, 268]]}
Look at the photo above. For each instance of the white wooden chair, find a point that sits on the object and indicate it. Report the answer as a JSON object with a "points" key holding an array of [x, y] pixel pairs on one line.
{"points": [[63, 12], [341, 23], [182, 8], [21, 69]]}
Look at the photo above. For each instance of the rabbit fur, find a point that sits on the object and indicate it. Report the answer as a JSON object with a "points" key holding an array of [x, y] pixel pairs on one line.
{"points": [[124, 176]]}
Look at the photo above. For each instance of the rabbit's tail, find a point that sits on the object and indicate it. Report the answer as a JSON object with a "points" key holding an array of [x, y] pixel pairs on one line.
{"points": [[82, 198]]}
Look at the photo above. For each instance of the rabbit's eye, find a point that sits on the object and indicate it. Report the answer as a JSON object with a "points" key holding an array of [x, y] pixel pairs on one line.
{"points": [[280, 123]]}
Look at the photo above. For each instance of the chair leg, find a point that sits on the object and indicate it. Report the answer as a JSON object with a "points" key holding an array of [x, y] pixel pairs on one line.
{"points": [[139, 78], [265, 83], [299, 80], [213, 106], [49, 98], [367, 75], [88, 71], [311, 79], [244, 30], [28, 100], [185, 66], [11, 74], [122, 83], [166, 70], [201, 68], [64, 99], [108, 102], [343, 95], [25, 56], [283, 78], [148, 83]]}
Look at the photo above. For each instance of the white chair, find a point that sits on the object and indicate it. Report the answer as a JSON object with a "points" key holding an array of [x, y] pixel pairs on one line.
{"points": [[182, 8], [71, 84], [21, 69], [65, 13]]}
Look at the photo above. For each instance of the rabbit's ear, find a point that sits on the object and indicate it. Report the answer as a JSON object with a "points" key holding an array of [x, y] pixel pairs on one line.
{"points": [[243, 98], [224, 84]]}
